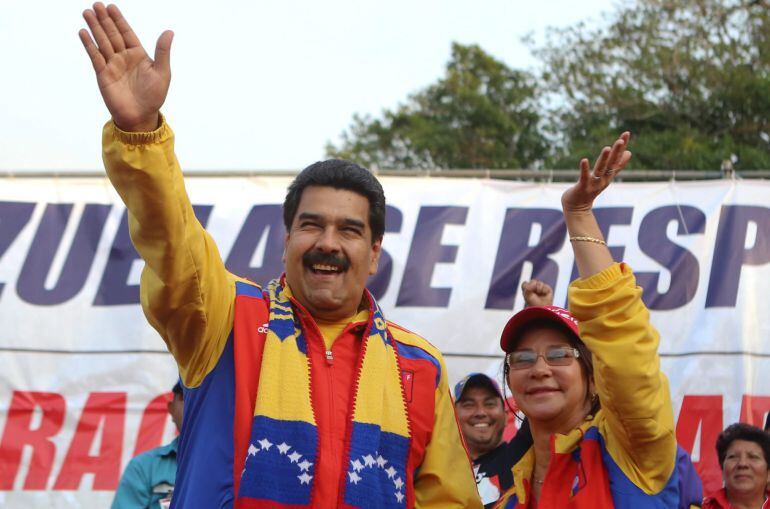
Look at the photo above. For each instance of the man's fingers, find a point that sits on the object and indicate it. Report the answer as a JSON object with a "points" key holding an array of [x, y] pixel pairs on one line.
{"points": [[163, 51], [129, 37], [105, 47], [110, 30], [97, 60]]}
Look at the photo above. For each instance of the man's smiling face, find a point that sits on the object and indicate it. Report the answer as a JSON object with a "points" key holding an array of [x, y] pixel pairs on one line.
{"points": [[481, 415], [329, 253]]}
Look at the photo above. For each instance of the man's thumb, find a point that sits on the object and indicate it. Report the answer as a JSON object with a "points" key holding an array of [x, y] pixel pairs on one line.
{"points": [[163, 51]]}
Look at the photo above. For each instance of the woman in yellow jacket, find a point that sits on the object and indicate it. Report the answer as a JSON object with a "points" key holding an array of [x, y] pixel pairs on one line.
{"points": [[589, 381]]}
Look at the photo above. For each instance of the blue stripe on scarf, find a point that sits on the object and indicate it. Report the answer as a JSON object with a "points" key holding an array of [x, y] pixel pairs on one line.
{"points": [[279, 464], [375, 477]]}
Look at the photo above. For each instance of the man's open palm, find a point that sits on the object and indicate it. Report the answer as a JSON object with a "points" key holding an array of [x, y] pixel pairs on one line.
{"points": [[133, 86]]}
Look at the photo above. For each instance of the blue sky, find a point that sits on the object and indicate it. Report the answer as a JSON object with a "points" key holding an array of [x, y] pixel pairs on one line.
{"points": [[255, 85]]}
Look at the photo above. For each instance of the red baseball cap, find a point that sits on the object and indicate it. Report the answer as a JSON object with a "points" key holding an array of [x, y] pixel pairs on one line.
{"points": [[513, 328]]}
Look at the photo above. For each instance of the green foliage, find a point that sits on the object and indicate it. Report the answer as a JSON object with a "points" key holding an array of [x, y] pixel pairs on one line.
{"points": [[689, 78], [481, 114]]}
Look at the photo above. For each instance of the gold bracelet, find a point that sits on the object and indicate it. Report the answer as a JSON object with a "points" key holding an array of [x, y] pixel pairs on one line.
{"points": [[588, 239]]}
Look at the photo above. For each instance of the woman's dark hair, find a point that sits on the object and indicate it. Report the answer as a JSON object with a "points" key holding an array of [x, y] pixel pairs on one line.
{"points": [[742, 431], [339, 174], [585, 359]]}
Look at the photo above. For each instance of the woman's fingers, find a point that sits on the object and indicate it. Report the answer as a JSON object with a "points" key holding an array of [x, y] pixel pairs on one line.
{"points": [[584, 171], [601, 162]]}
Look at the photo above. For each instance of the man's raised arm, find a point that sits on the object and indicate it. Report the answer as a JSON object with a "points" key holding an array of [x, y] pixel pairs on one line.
{"points": [[186, 292]]}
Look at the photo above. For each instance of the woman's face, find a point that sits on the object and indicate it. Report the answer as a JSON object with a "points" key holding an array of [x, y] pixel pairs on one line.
{"points": [[745, 469], [552, 395]]}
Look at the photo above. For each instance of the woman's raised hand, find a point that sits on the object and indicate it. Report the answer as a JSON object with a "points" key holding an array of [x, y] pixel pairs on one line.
{"points": [[611, 161]]}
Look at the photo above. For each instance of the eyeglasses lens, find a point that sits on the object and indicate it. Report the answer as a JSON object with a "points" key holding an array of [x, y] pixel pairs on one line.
{"points": [[559, 356]]}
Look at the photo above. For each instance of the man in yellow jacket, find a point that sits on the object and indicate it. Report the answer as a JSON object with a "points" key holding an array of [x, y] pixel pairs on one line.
{"points": [[299, 394]]}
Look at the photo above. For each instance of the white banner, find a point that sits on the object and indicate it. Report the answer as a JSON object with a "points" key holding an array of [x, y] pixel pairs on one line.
{"points": [[84, 378]]}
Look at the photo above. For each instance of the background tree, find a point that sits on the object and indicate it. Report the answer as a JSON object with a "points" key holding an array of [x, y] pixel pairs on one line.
{"points": [[689, 78], [481, 114]]}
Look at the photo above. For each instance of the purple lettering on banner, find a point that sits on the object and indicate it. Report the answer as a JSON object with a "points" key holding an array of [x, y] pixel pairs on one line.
{"points": [[14, 216], [514, 250], [425, 252], [31, 283], [730, 253], [114, 289], [681, 263], [262, 220], [378, 284]]}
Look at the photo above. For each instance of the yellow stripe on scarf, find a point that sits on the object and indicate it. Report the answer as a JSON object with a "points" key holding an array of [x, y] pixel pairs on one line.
{"points": [[284, 383], [379, 400]]}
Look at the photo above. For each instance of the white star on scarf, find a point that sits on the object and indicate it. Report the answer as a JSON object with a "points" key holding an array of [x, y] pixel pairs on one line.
{"points": [[305, 465], [381, 461], [295, 456], [283, 447], [398, 482], [354, 478], [391, 472], [265, 444], [305, 478], [356, 465], [369, 460], [252, 450], [399, 496]]}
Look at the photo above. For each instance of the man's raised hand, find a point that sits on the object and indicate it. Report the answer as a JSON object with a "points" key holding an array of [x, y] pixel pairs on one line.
{"points": [[133, 86], [537, 293]]}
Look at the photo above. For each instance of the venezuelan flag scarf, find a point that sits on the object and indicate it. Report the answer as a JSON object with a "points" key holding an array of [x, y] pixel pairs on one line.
{"points": [[279, 468]]}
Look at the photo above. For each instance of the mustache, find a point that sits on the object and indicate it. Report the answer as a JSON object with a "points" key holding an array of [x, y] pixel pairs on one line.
{"points": [[319, 257]]}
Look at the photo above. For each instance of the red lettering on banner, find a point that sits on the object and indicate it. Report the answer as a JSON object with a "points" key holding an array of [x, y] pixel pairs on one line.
{"points": [[754, 409], [150, 434], [105, 411], [18, 433], [704, 412]]}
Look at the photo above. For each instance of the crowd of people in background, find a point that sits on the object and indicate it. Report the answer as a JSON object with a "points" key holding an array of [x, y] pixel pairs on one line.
{"points": [[302, 394]]}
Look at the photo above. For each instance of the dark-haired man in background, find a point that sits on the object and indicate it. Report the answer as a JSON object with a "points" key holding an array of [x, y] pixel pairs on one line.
{"points": [[299, 394], [149, 478], [481, 413]]}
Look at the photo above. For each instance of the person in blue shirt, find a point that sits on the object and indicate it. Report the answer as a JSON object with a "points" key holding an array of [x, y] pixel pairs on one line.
{"points": [[148, 480]]}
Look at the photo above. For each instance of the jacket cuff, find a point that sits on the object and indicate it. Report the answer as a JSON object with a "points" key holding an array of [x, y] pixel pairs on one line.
{"points": [[162, 133], [602, 279]]}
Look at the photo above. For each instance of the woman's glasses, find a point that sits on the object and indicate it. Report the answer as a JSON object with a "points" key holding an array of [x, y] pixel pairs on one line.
{"points": [[553, 356]]}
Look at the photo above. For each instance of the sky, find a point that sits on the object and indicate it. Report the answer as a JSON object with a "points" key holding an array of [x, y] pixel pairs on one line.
{"points": [[256, 85]]}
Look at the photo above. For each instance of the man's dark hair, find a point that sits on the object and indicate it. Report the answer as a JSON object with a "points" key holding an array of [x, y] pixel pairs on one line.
{"points": [[742, 431], [339, 174]]}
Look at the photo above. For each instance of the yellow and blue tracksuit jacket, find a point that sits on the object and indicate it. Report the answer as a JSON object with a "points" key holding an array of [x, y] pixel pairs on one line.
{"points": [[623, 457], [189, 297]]}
